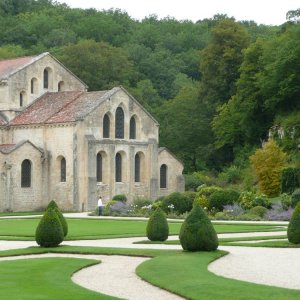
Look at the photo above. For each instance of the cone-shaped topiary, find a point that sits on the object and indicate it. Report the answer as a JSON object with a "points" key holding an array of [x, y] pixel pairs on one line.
{"points": [[52, 205], [49, 232], [293, 231], [62, 220], [157, 227], [197, 232]]}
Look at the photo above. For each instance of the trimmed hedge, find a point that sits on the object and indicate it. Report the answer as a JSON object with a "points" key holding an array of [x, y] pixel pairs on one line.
{"points": [[157, 227], [49, 232], [293, 231], [120, 197], [62, 220], [219, 199], [182, 202], [197, 232], [290, 180]]}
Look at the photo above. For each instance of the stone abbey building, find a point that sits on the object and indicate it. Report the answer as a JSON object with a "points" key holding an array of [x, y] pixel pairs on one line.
{"points": [[58, 141]]}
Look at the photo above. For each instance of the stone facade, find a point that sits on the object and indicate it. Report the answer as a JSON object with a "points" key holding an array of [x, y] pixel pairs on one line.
{"points": [[72, 142]]}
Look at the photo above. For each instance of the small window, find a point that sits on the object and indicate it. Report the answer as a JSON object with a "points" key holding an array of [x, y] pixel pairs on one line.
{"points": [[137, 168], [163, 176], [106, 126], [46, 79], [21, 99], [119, 133], [118, 167], [99, 167], [32, 86], [63, 167], [60, 86], [26, 173], [132, 130]]}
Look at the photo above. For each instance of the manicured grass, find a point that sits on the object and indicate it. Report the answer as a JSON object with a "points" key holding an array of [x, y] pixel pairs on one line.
{"points": [[187, 275], [184, 273], [24, 229], [44, 278], [21, 213], [272, 244]]}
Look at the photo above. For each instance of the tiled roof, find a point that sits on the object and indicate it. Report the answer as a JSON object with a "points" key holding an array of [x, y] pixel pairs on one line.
{"points": [[7, 148], [60, 107], [10, 66]]}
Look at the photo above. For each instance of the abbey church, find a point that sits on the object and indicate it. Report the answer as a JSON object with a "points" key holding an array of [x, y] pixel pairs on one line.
{"points": [[59, 141]]}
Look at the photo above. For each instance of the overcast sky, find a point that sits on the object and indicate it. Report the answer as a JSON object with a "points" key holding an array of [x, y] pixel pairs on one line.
{"points": [[269, 12]]}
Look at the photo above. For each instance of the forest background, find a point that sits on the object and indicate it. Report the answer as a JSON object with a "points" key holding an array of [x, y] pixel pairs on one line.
{"points": [[218, 87]]}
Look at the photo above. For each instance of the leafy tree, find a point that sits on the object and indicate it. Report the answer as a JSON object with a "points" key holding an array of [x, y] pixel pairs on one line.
{"points": [[268, 163], [157, 227], [197, 232]]}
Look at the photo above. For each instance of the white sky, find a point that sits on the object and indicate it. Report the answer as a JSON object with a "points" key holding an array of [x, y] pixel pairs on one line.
{"points": [[268, 12]]}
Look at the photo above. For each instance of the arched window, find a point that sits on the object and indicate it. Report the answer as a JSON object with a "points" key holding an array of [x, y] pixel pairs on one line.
{"points": [[106, 126], [21, 99], [63, 167], [118, 167], [99, 167], [46, 79], [119, 123], [163, 176], [137, 168], [26, 173], [132, 129], [60, 86]]}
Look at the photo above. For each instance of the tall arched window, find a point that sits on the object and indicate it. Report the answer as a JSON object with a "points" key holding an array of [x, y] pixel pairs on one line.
{"points": [[163, 176], [26, 173], [106, 126], [132, 129], [119, 134], [99, 167], [118, 167], [137, 168], [46, 79], [21, 99], [63, 169]]}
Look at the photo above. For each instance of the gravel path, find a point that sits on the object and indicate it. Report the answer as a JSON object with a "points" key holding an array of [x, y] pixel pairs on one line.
{"points": [[114, 276]]}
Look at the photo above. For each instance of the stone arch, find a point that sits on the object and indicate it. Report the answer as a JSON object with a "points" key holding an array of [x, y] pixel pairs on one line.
{"points": [[133, 128], [119, 123], [61, 86], [102, 174], [120, 167], [61, 169], [48, 78], [34, 86], [163, 176], [139, 167], [106, 125], [26, 173], [22, 98]]}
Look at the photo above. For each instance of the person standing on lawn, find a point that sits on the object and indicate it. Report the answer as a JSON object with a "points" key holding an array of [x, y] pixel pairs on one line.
{"points": [[100, 205]]}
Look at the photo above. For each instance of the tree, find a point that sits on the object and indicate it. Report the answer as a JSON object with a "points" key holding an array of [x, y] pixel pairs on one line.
{"points": [[268, 163], [197, 232], [49, 232], [157, 227], [293, 231]]}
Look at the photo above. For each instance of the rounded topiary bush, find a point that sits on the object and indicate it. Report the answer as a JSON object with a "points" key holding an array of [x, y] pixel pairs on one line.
{"points": [[258, 211], [62, 220], [181, 203], [49, 232], [157, 227], [197, 232], [293, 231]]}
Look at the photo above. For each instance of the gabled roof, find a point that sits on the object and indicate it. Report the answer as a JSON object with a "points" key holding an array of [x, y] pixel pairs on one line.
{"points": [[11, 66], [8, 148], [65, 107], [161, 149]]}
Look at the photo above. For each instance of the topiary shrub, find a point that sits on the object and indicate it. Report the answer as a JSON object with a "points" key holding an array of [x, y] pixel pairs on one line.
{"points": [[120, 197], [157, 227], [49, 232], [293, 231], [197, 232], [219, 199], [295, 198], [53, 205]]}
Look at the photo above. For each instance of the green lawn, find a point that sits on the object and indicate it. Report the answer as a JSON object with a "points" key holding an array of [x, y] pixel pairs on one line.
{"points": [[24, 229], [184, 273]]}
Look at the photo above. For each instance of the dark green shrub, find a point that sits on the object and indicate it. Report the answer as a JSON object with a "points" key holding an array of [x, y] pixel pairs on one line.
{"points": [[52, 204], [248, 200], [290, 180], [157, 227], [49, 232], [182, 203], [120, 197], [258, 211], [286, 201], [192, 182], [219, 199], [63, 221], [295, 198], [197, 232], [293, 231]]}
